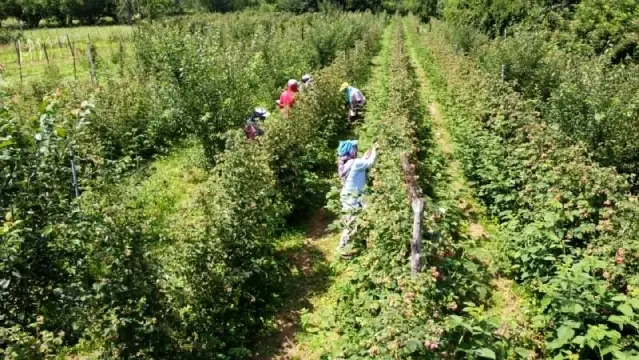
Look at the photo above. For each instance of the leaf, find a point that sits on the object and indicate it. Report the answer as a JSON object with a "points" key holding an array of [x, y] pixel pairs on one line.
{"points": [[524, 353], [486, 353], [412, 345], [565, 333], [579, 340], [573, 308], [625, 309], [634, 303], [62, 132], [619, 320]]}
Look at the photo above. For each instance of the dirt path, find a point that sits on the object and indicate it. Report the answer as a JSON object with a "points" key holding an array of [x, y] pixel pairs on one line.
{"points": [[310, 254], [507, 304]]}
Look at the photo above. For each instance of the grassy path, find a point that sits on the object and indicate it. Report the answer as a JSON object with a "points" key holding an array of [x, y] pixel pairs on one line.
{"points": [[507, 302], [310, 254], [295, 331]]}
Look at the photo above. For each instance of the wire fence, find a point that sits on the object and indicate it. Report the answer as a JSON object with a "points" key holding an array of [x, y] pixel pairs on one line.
{"points": [[62, 57]]}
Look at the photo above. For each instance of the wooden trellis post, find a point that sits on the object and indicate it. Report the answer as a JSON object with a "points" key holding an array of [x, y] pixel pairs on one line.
{"points": [[94, 80], [417, 203], [46, 54], [75, 72], [19, 54], [74, 173], [61, 46], [121, 56]]}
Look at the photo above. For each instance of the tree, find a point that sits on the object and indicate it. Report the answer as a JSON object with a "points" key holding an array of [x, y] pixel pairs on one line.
{"points": [[608, 24]]}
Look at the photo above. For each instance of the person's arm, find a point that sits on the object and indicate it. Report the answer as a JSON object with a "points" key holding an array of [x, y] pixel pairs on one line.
{"points": [[368, 160]]}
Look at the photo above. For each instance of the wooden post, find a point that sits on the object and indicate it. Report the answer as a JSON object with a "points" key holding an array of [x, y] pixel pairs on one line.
{"points": [[30, 45], [416, 241], [121, 56], [417, 204], [75, 71], [91, 62], [61, 47], [19, 54], [76, 188], [46, 54]]}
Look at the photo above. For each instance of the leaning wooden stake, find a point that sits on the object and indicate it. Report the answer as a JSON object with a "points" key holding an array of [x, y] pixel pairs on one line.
{"points": [[19, 54], [417, 203], [75, 71], [121, 55], [416, 242], [46, 54], [94, 80]]}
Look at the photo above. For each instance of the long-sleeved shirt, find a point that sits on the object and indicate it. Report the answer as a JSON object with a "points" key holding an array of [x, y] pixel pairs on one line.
{"points": [[287, 99], [354, 97], [356, 178]]}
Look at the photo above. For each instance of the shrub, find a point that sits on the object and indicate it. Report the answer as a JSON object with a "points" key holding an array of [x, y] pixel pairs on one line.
{"points": [[570, 224]]}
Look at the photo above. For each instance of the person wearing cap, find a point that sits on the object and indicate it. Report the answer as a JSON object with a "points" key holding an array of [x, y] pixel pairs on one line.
{"points": [[307, 82], [354, 174], [287, 98], [355, 100], [347, 150], [252, 128]]}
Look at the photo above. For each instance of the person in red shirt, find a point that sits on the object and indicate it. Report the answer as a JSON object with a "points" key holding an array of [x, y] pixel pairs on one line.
{"points": [[287, 98]]}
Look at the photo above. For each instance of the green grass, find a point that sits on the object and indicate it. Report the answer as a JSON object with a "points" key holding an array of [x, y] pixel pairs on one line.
{"points": [[167, 191], [106, 40]]}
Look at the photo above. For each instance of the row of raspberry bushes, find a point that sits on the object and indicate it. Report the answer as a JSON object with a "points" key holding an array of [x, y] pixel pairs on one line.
{"points": [[213, 77], [570, 224], [98, 270], [198, 77], [382, 312]]}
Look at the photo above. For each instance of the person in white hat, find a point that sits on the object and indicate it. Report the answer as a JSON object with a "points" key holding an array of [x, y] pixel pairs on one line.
{"points": [[252, 128], [307, 82]]}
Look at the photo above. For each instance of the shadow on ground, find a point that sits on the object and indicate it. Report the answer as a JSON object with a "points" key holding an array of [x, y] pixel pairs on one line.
{"points": [[310, 274]]}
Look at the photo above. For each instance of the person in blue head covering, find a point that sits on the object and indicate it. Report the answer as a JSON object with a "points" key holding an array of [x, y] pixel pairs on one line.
{"points": [[346, 150], [353, 175]]}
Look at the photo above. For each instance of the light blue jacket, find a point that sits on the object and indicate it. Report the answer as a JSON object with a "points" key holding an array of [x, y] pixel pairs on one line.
{"points": [[356, 178]]}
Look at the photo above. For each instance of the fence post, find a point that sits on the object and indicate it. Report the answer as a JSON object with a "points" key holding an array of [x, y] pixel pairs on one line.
{"points": [[94, 80], [121, 56], [74, 173], [19, 54], [61, 47], [75, 72], [417, 204], [30, 45], [46, 54], [416, 242]]}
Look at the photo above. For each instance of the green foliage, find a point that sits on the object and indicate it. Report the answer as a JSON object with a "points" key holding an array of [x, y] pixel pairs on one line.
{"points": [[570, 224], [105, 270], [250, 60], [382, 311], [608, 26], [491, 17], [577, 61]]}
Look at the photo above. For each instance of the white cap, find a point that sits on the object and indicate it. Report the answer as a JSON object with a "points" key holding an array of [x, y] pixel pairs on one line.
{"points": [[262, 112], [306, 77], [291, 82]]}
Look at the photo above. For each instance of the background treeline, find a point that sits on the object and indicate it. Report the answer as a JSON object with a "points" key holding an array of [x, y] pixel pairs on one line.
{"points": [[65, 12], [578, 60]]}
